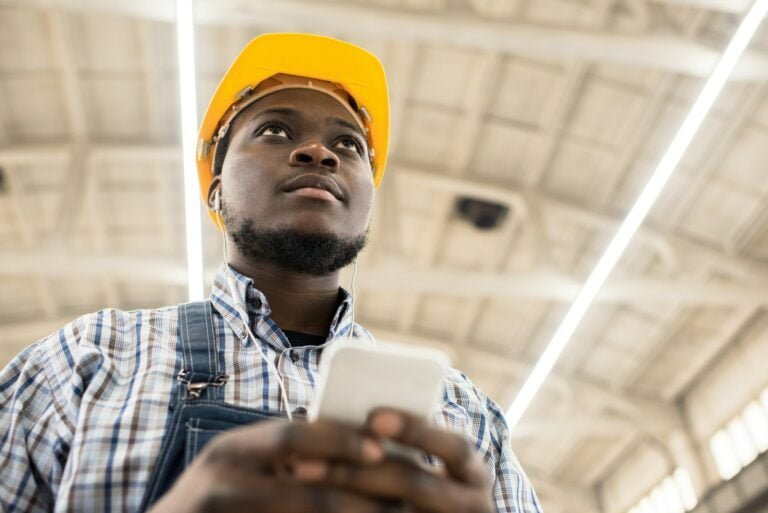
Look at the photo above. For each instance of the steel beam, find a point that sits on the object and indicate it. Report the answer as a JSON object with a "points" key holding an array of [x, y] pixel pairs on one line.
{"points": [[654, 51]]}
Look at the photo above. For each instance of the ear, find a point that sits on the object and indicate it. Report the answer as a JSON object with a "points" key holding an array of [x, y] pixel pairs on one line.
{"points": [[215, 186]]}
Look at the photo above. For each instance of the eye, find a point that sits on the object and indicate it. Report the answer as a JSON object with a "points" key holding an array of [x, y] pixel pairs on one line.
{"points": [[350, 143], [273, 129]]}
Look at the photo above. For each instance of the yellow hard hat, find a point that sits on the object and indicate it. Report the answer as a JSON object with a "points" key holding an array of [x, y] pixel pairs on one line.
{"points": [[347, 72]]}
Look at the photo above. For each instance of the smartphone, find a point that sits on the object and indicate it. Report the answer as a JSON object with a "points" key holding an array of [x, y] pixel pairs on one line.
{"points": [[356, 378]]}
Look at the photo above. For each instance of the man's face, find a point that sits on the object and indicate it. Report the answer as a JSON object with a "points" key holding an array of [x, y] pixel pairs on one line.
{"points": [[286, 152]]}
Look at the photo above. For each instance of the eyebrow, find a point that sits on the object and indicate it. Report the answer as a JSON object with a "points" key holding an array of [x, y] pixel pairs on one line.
{"points": [[347, 124], [286, 111], [289, 111]]}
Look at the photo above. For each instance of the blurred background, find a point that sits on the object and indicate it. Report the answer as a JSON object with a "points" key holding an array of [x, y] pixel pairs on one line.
{"points": [[523, 131]]}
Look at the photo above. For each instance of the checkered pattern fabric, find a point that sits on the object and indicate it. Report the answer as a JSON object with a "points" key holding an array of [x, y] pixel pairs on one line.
{"points": [[83, 411]]}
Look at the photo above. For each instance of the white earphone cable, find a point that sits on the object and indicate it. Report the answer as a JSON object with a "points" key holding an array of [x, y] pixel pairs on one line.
{"points": [[232, 290], [354, 301]]}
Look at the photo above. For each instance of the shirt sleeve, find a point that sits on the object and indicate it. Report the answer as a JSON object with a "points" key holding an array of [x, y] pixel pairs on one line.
{"points": [[36, 423], [468, 409]]}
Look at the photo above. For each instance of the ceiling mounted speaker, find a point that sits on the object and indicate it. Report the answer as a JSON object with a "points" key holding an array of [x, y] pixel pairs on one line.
{"points": [[483, 215]]}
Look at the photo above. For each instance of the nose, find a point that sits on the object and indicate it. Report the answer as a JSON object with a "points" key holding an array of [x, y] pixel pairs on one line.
{"points": [[314, 154]]}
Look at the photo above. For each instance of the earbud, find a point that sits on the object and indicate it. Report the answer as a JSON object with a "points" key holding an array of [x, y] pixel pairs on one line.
{"points": [[217, 200]]}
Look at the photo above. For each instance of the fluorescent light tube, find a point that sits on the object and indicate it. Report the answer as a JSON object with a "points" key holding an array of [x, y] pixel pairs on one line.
{"points": [[185, 37], [639, 211]]}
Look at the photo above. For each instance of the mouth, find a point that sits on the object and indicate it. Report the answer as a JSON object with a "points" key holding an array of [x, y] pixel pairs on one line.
{"points": [[312, 185]]}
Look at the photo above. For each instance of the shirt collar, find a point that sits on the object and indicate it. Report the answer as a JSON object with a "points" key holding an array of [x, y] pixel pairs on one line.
{"points": [[241, 300]]}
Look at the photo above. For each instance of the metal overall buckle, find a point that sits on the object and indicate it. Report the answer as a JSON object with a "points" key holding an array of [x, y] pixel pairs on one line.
{"points": [[195, 389]]}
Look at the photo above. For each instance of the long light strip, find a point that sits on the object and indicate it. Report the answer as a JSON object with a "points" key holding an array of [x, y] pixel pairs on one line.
{"points": [[639, 211], [185, 39]]}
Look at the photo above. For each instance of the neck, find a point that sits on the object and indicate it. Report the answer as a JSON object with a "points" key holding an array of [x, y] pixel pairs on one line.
{"points": [[299, 302]]}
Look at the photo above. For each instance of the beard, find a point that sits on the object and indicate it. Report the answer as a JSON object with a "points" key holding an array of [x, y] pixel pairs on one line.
{"points": [[316, 254]]}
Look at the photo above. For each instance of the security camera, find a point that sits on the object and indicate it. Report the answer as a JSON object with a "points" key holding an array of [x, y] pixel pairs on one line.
{"points": [[484, 215]]}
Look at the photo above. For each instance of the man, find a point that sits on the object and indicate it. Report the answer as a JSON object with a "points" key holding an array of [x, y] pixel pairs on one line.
{"points": [[182, 409]]}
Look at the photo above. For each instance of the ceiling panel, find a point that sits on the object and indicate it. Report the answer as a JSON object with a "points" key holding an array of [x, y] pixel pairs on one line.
{"points": [[106, 43], [465, 247], [438, 316], [527, 91], [37, 111], [745, 164], [443, 76], [24, 41], [568, 141], [598, 119], [18, 300], [562, 12], [39, 196], [506, 326], [581, 172], [426, 135], [508, 153], [119, 108], [718, 210]]}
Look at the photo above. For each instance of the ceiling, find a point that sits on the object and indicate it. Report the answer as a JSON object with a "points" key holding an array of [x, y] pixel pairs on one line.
{"points": [[557, 109]]}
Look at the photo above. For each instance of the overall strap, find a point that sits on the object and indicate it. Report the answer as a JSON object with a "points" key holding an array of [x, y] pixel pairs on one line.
{"points": [[200, 373]]}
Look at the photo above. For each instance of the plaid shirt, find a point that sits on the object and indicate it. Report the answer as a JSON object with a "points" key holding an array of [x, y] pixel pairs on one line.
{"points": [[83, 411]]}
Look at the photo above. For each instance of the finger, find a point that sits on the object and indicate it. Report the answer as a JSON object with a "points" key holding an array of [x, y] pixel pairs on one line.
{"points": [[460, 459], [310, 470], [284, 442], [294, 499], [400, 479]]}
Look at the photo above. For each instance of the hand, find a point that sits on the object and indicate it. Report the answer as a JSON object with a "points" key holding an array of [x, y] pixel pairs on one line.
{"points": [[270, 467], [463, 486]]}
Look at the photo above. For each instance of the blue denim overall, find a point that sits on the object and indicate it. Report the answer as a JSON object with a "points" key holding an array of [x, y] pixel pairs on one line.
{"points": [[199, 412]]}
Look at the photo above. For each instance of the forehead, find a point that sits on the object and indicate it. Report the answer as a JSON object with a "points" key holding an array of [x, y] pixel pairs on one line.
{"points": [[308, 105]]}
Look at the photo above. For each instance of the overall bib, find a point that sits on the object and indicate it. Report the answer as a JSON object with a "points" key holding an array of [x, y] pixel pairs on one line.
{"points": [[199, 411]]}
